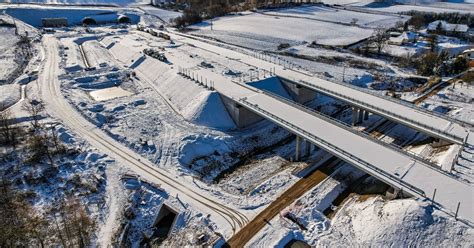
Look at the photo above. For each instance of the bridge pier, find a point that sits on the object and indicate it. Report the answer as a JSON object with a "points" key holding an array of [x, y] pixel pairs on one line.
{"points": [[360, 116], [392, 193], [298, 147], [366, 114], [354, 116], [307, 146]]}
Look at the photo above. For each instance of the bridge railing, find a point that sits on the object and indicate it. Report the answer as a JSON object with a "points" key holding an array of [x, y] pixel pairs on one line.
{"points": [[347, 127], [372, 107], [407, 104], [329, 146]]}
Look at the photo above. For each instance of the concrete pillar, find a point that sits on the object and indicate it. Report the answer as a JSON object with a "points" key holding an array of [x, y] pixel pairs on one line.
{"points": [[354, 115], [307, 148], [392, 193], [297, 152], [360, 115], [366, 115]]}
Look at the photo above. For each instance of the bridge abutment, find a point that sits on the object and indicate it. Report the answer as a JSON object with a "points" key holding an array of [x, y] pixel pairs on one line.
{"points": [[299, 93], [241, 116]]}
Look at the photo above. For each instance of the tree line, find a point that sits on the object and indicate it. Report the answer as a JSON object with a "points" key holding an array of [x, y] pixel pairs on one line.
{"points": [[62, 222]]}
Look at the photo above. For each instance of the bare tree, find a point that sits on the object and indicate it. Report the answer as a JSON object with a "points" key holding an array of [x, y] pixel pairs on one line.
{"points": [[380, 38], [8, 132], [77, 224], [432, 41], [21, 226], [35, 108], [354, 21]]}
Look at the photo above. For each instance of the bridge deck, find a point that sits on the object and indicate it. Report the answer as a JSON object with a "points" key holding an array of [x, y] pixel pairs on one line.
{"points": [[405, 113], [388, 164]]}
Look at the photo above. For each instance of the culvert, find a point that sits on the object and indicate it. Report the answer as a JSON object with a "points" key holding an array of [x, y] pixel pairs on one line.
{"points": [[89, 21], [164, 222], [123, 19]]}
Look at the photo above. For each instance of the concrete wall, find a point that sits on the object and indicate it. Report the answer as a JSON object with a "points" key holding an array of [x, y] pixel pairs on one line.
{"points": [[164, 211], [241, 116], [299, 93], [54, 22]]}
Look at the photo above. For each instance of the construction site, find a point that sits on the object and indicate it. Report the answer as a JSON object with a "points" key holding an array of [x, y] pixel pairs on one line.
{"points": [[212, 137]]}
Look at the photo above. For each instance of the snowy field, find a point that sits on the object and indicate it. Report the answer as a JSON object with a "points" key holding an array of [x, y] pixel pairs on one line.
{"points": [[163, 14], [185, 129], [8, 41], [9, 94], [435, 7], [248, 27], [334, 15]]}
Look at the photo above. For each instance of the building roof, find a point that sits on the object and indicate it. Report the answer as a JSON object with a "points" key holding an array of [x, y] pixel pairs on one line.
{"points": [[448, 26], [405, 36], [469, 51]]}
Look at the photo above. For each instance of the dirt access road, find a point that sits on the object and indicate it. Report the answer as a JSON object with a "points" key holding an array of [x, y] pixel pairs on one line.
{"points": [[289, 196], [227, 218]]}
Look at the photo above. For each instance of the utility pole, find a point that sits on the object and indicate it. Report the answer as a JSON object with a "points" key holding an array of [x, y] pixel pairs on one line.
{"points": [[344, 74]]}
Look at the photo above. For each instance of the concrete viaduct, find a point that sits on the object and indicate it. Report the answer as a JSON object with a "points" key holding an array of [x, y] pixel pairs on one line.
{"points": [[394, 166]]}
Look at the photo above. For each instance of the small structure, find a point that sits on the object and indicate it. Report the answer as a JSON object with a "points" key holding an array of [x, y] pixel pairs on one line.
{"points": [[448, 28], [469, 54], [54, 22], [404, 38]]}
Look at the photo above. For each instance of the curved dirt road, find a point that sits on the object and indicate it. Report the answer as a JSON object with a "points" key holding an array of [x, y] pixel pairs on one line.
{"points": [[227, 218]]}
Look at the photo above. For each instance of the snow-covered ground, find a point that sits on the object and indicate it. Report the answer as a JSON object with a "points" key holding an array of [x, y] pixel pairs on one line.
{"points": [[362, 220], [184, 128], [429, 6], [9, 95], [324, 13], [163, 14], [8, 41], [247, 28]]}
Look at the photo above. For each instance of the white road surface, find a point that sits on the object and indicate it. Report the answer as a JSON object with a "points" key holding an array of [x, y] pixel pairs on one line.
{"points": [[425, 122]]}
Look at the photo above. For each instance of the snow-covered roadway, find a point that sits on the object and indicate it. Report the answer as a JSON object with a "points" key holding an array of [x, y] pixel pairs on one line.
{"points": [[404, 113], [229, 220], [389, 164]]}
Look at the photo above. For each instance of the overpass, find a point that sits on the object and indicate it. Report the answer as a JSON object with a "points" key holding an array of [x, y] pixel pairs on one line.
{"points": [[428, 122], [389, 164]]}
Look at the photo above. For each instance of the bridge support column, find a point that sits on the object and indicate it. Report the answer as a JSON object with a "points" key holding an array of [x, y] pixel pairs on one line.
{"points": [[366, 115], [392, 193], [307, 147], [354, 116], [360, 115], [298, 148]]}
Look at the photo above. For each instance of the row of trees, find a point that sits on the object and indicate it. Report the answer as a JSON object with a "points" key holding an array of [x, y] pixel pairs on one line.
{"points": [[421, 19], [195, 10], [66, 222]]}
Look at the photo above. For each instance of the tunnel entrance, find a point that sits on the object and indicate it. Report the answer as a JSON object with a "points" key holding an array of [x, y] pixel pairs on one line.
{"points": [[89, 21], [164, 223], [294, 243], [124, 19]]}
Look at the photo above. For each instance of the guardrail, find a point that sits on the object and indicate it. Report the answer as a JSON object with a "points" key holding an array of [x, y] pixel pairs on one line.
{"points": [[407, 104], [372, 107], [291, 65], [347, 127], [332, 147]]}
